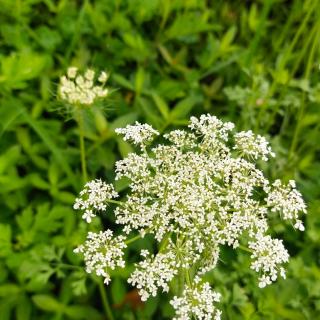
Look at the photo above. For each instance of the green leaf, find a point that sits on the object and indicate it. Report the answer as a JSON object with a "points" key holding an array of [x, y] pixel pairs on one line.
{"points": [[161, 105], [82, 312], [118, 290], [5, 240], [9, 158], [139, 80], [47, 303], [122, 81], [23, 309], [25, 220], [189, 23], [8, 116], [124, 147], [18, 68], [239, 297], [227, 39], [45, 136], [48, 38], [124, 120], [152, 116], [184, 107], [9, 289]]}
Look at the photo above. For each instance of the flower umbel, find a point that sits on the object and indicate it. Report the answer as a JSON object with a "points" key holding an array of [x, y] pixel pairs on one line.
{"points": [[198, 301], [198, 191], [81, 89], [139, 134], [101, 252], [94, 198]]}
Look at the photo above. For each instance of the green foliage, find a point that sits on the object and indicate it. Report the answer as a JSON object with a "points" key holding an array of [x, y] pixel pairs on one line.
{"points": [[254, 63]]}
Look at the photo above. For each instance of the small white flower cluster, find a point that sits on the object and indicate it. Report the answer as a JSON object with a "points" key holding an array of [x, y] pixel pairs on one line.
{"points": [[267, 255], [94, 198], [287, 200], [154, 272], [197, 301], [139, 134], [101, 252], [252, 145], [78, 89], [198, 191]]}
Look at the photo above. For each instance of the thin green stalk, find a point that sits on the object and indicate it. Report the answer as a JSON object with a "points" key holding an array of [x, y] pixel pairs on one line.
{"points": [[114, 201], [257, 37], [137, 237], [77, 33], [105, 301], [82, 147], [245, 248], [303, 102], [188, 279], [285, 59], [165, 242], [133, 239], [297, 35], [283, 92]]}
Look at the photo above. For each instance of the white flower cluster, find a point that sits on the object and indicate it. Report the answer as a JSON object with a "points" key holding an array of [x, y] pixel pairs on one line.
{"points": [[200, 190], [252, 145], [139, 134], [78, 89], [94, 198], [287, 200], [267, 255], [101, 252], [197, 301], [154, 272]]}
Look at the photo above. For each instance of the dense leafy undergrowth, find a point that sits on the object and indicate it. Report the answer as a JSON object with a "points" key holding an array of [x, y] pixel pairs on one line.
{"points": [[254, 63]]}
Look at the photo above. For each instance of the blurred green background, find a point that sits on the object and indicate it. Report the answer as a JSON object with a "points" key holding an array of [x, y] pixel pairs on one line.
{"points": [[255, 63]]}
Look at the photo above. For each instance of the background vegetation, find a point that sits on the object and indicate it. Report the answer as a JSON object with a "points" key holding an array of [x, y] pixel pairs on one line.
{"points": [[255, 63]]}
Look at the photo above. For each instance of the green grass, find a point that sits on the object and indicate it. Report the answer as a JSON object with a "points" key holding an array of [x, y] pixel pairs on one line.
{"points": [[255, 63]]}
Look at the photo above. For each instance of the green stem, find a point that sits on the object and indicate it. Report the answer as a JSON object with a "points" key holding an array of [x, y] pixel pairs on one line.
{"points": [[188, 279], [257, 37], [284, 62], [137, 237], [245, 249], [82, 147], [165, 242], [303, 98], [105, 301], [114, 201], [133, 239]]}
